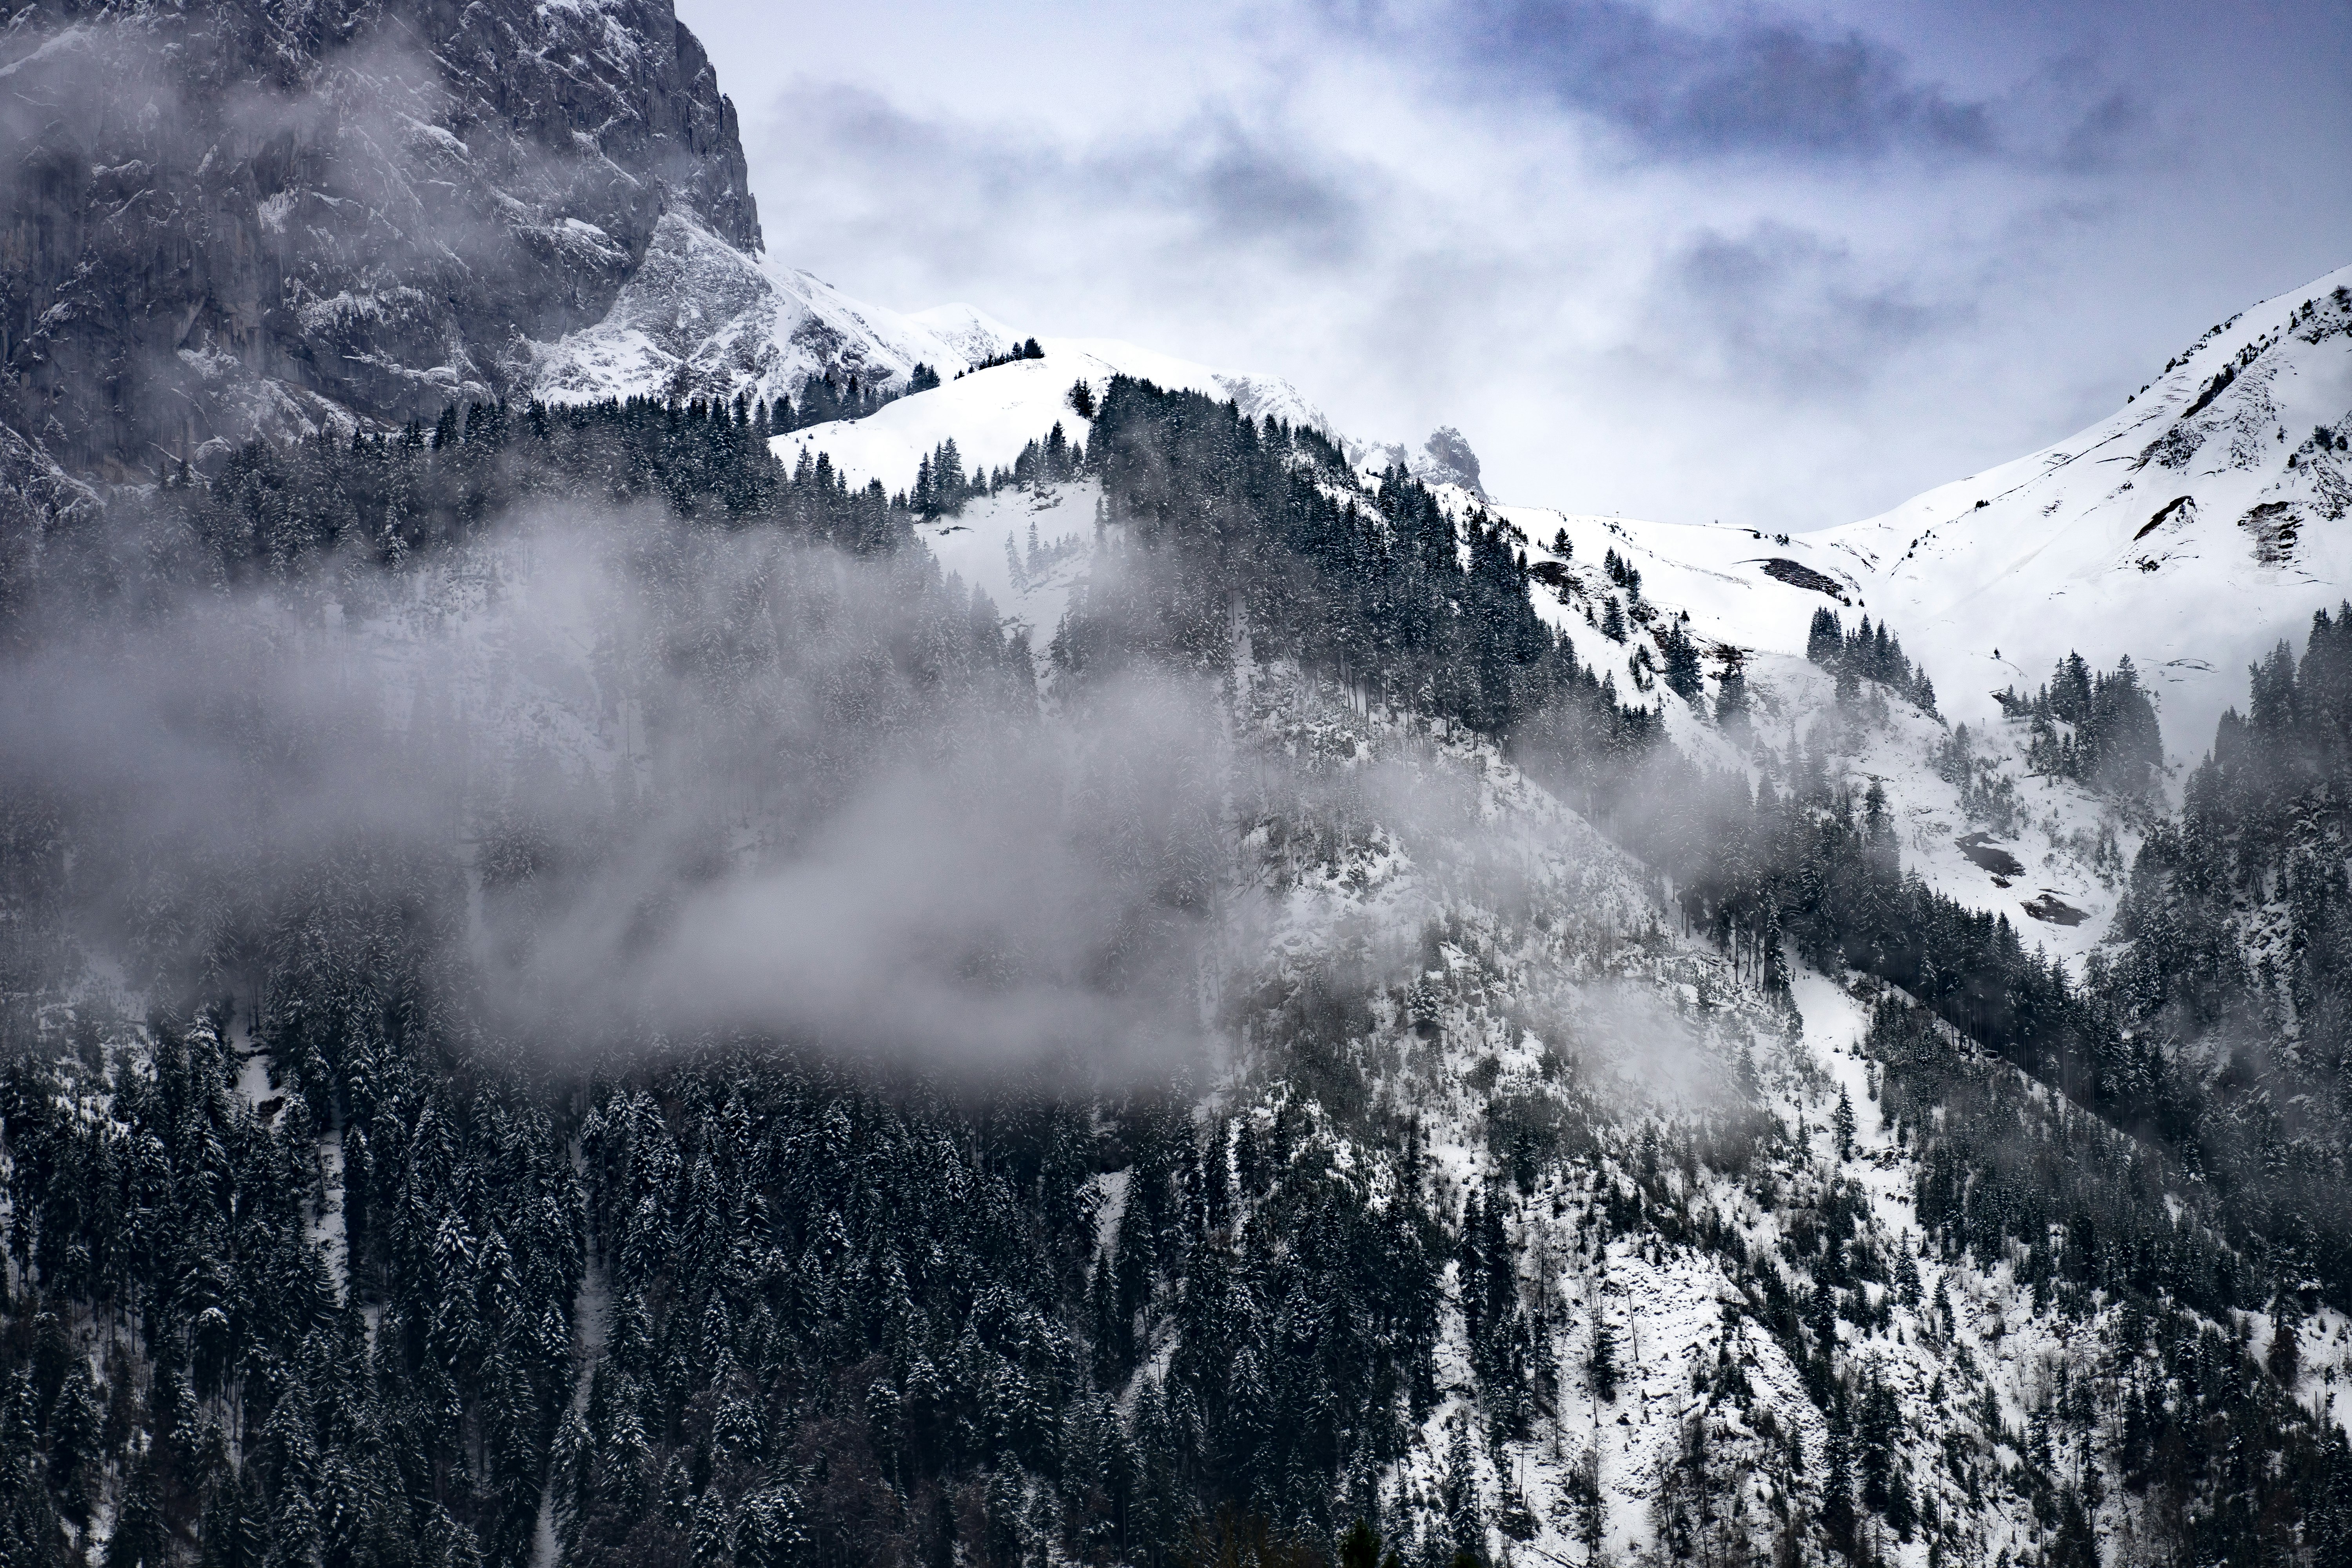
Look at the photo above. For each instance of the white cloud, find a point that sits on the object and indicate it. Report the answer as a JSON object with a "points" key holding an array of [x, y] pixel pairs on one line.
{"points": [[1691, 288]]}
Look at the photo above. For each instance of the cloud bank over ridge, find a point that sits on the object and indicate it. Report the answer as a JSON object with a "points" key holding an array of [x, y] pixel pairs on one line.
{"points": [[1777, 265]]}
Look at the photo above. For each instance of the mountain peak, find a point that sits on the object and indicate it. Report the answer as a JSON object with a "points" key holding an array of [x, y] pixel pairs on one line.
{"points": [[2192, 529], [1445, 458], [333, 224]]}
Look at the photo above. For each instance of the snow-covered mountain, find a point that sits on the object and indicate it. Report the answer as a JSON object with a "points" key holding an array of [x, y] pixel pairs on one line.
{"points": [[2192, 531], [2200, 524], [991, 415], [703, 318], [1507, 1197], [237, 219]]}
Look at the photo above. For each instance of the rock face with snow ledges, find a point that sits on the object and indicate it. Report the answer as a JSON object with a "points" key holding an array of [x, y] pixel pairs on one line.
{"points": [[226, 219], [704, 318], [1445, 458]]}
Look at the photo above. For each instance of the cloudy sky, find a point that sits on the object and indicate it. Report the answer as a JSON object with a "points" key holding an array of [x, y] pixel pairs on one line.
{"points": [[1780, 266]]}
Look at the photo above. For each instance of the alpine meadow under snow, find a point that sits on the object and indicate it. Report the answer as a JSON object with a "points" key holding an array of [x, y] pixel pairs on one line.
{"points": [[649, 916]]}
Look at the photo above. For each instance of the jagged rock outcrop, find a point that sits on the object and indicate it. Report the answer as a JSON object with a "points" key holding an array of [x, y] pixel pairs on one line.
{"points": [[220, 219], [1445, 458], [704, 318]]}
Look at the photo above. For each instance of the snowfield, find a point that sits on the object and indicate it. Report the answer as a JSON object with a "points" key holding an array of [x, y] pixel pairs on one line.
{"points": [[992, 414], [2191, 531]]}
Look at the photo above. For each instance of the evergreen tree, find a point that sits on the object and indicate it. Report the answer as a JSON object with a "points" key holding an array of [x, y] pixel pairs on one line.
{"points": [[1601, 1367], [2284, 1359]]}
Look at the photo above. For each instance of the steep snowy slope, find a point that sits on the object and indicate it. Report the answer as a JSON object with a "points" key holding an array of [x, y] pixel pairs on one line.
{"points": [[1025, 549], [2203, 522], [1552, 996], [701, 318], [2192, 531], [991, 415]]}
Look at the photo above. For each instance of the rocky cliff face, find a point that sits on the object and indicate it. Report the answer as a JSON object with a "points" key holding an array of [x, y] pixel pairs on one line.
{"points": [[221, 219]]}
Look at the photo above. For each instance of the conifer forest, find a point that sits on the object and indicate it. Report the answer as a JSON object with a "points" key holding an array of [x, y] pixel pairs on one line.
{"points": [[650, 917]]}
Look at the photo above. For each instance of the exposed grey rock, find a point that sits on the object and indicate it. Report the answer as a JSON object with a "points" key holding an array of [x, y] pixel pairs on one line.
{"points": [[38, 501], [1445, 458], [217, 219], [700, 318]]}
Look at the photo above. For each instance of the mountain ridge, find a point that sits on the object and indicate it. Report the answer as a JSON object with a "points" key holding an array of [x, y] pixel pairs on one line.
{"points": [[626, 983], [351, 213], [2054, 562]]}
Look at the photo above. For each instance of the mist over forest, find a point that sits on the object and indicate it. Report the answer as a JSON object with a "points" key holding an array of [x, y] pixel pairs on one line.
{"points": [[650, 917]]}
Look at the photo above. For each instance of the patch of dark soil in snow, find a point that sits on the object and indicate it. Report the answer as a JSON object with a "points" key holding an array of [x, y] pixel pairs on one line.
{"points": [[2056, 911], [1981, 849], [1798, 575]]}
